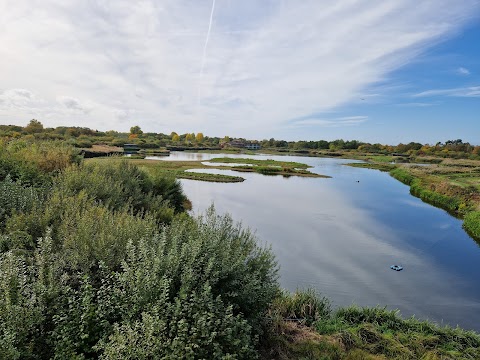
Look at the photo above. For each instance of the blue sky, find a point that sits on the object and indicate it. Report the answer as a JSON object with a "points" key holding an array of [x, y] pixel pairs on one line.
{"points": [[372, 70]]}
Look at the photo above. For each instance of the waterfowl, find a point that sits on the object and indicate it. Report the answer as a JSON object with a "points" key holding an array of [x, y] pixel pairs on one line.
{"points": [[396, 267]]}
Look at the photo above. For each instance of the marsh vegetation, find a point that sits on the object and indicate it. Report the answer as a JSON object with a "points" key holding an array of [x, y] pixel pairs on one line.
{"points": [[99, 259]]}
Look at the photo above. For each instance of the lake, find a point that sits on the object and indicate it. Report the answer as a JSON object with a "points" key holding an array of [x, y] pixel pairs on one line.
{"points": [[340, 235]]}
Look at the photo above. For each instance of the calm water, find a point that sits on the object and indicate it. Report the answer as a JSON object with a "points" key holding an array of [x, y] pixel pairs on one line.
{"points": [[340, 236]]}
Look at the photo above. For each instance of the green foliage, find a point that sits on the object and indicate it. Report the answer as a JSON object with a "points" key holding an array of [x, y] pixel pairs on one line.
{"points": [[17, 198], [306, 307], [418, 189], [120, 184], [34, 126], [194, 326], [375, 166], [381, 331], [136, 130], [89, 234], [198, 288], [471, 223], [267, 170], [402, 175], [209, 177], [448, 203], [34, 162], [258, 162]]}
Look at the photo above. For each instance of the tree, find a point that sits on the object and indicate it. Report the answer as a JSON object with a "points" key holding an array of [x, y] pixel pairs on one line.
{"points": [[136, 130], [190, 137], [175, 138], [34, 126], [199, 137]]}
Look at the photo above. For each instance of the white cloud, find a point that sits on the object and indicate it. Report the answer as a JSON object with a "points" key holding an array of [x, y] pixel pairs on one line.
{"points": [[333, 122], [472, 91], [73, 104], [124, 63], [463, 71]]}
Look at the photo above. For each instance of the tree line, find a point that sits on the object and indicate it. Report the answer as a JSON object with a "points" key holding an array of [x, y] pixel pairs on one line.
{"points": [[82, 137]]}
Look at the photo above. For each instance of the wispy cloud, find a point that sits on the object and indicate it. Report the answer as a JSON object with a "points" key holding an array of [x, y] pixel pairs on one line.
{"points": [[333, 122], [416, 104], [462, 71], [73, 104], [268, 61], [472, 91]]}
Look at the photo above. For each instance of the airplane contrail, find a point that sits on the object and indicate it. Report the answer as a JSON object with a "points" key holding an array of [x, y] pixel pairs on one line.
{"points": [[206, 39]]}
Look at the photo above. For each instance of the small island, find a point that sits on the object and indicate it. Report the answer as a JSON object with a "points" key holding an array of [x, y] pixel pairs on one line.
{"points": [[180, 169]]}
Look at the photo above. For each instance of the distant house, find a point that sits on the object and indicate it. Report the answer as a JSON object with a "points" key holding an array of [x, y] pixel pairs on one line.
{"points": [[242, 144], [252, 146]]}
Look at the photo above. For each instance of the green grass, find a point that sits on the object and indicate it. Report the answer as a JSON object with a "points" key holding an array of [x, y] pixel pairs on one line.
{"points": [[374, 166], [304, 327], [472, 224], [268, 162], [209, 177]]}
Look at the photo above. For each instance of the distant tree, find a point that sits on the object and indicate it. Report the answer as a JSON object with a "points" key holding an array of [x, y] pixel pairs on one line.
{"points": [[189, 137], [199, 137], [175, 138], [281, 144], [34, 126], [136, 130], [173, 134], [322, 144]]}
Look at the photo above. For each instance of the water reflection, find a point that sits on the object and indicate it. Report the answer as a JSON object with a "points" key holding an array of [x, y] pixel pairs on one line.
{"points": [[340, 235]]}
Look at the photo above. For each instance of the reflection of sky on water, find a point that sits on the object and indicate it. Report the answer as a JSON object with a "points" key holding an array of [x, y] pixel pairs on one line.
{"points": [[341, 236]]}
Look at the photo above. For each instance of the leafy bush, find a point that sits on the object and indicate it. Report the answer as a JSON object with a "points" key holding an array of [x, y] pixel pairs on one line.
{"points": [[199, 288], [17, 198], [33, 161], [120, 184]]}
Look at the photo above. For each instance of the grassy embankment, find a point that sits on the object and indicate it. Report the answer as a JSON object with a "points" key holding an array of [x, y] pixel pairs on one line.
{"points": [[179, 168], [304, 327], [453, 185]]}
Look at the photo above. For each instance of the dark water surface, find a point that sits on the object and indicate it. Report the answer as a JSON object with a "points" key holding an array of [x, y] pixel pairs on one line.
{"points": [[340, 236]]}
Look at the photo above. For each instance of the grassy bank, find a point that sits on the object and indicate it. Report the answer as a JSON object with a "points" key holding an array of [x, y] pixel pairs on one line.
{"points": [[453, 185], [304, 327]]}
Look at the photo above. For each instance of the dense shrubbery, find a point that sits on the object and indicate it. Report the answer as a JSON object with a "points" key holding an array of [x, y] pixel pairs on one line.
{"points": [[198, 287], [31, 162], [100, 261]]}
